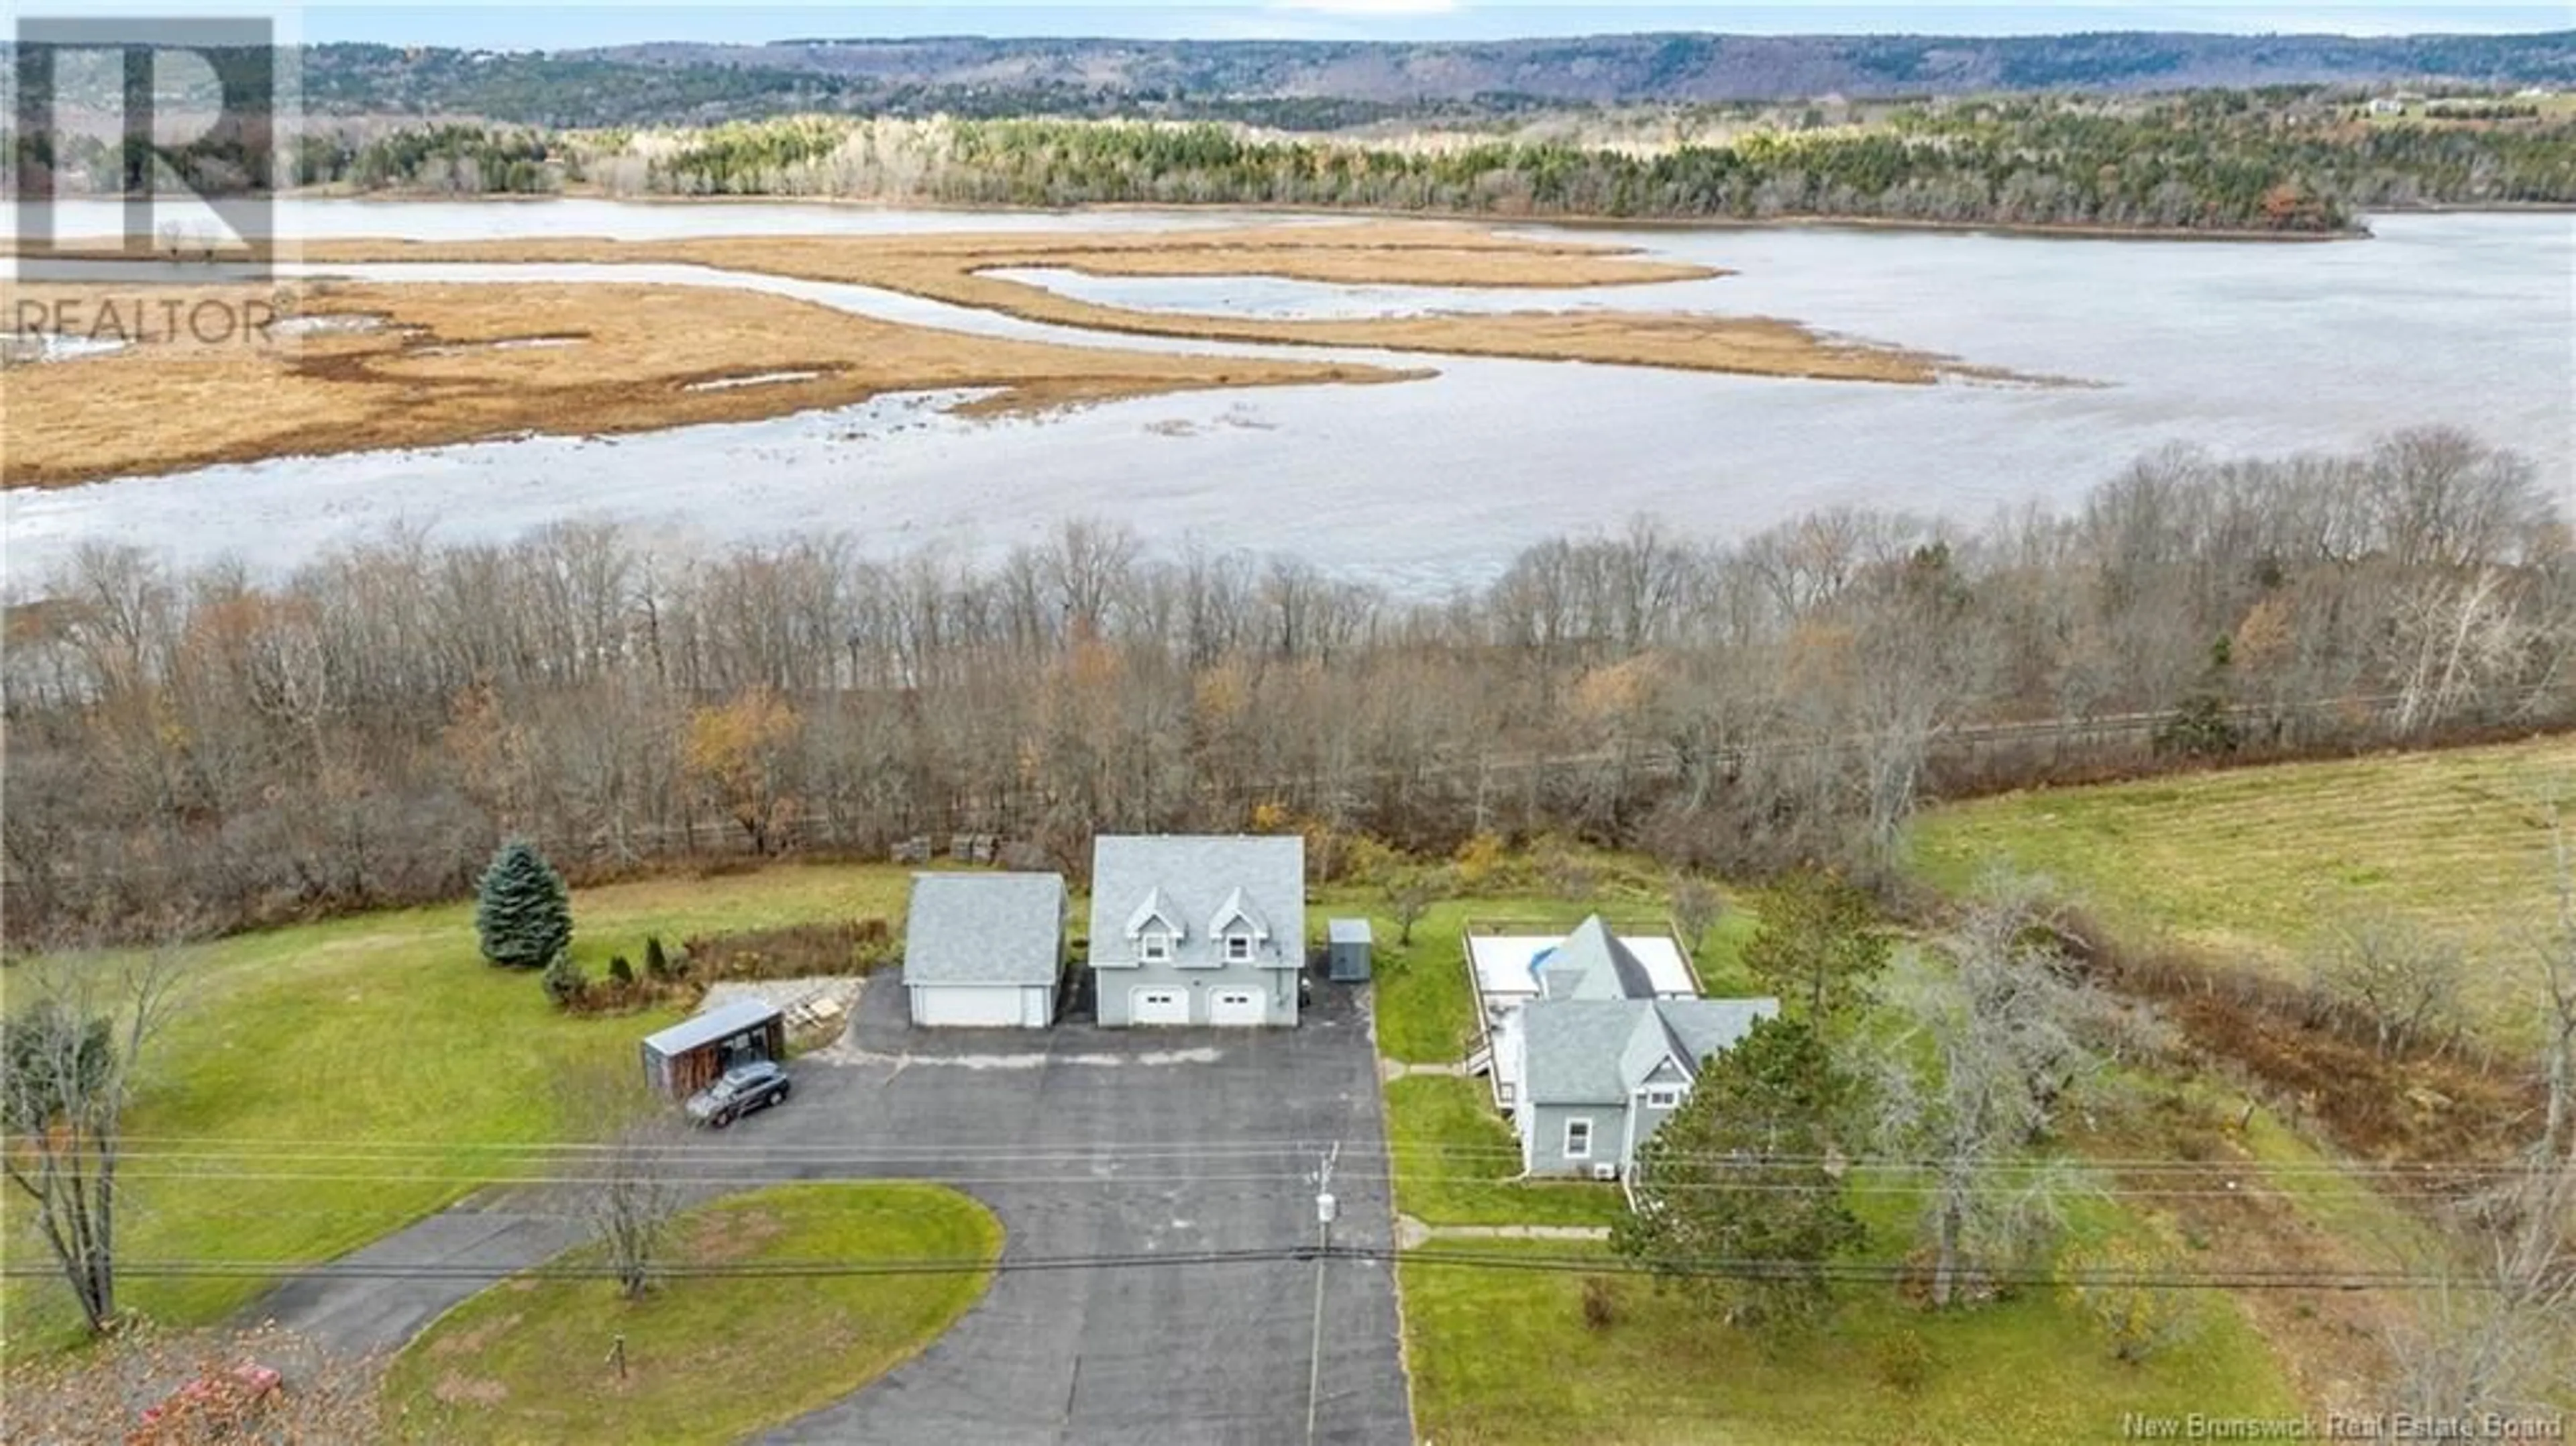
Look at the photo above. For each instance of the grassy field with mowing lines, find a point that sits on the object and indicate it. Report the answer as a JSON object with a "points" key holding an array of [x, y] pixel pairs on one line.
{"points": [[2260, 863]]}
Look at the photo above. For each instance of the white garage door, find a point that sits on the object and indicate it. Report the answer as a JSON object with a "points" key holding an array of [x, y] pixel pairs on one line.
{"points": [[1236, 1006], [966, 1004], [1158, 1006]]}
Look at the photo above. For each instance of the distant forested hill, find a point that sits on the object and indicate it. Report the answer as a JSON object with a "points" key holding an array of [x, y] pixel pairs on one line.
{"points": [[1315, 85]]}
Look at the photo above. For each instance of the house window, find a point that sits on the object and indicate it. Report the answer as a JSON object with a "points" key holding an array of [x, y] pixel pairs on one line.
{"points": [[1238, 948], [1155, 947], [1578, 1139], [1663, 1099]]}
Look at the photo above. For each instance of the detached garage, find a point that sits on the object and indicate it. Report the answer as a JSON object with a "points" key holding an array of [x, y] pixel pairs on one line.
{"points": [[984, 951]]}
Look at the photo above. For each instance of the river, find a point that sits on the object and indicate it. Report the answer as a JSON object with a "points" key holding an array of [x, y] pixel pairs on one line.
{"points": [[2242, 348]]}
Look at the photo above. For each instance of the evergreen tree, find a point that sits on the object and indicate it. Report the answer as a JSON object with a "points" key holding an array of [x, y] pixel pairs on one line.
{"points": [[563, 980], [1741, 1173], [657, 964], [619, 970], [1820, 947], [522, 910]]}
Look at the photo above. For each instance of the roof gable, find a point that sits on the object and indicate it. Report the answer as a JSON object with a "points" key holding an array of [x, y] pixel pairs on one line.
{"points": [[1600, 1051], [1156, 913], [1651, 1047], [1238, 910]]}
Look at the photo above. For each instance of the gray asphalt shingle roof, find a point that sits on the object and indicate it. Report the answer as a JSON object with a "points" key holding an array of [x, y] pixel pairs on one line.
{"points": [[984, 929], [1195, 881], [1591, 963], [1582, 1051]]}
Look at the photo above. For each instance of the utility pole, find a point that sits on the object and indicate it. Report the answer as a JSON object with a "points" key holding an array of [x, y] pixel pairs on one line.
{"points": [[1323, 1258]]}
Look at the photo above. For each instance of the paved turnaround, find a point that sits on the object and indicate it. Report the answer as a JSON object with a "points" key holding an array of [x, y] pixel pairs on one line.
{"points": [[1152, 1143]]}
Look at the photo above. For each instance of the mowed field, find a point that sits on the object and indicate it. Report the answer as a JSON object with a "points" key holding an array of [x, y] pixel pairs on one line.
{"points": [[1503, 1356], [520, 1362], [388, 1032], [2264, 864]]}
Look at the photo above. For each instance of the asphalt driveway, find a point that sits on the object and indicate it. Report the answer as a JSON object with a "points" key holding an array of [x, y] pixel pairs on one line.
{"points": [[1138, 1145], [1090, 1143]]}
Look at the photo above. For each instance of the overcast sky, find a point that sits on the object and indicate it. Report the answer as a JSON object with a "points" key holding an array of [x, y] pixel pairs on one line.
{"points": [[497, 24]]}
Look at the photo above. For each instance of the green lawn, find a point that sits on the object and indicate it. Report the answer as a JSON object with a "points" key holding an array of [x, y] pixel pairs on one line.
{"points": [[1455, 1159], [1426, 1010], [709, 1359], [385, 1032], [2258, 862], [1505, 1358]]}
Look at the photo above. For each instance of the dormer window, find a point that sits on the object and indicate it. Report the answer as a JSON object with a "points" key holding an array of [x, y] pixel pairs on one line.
{"points": [[1238, 948], [1154, 946]]}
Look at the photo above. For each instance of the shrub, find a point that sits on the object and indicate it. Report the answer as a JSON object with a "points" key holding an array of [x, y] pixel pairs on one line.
{"points": [[657, 965], [2137, 1318], [619, 970], [1483, 861], [563, 981], [2200, 727], [1568, 876], [1905, 1362], [1600, 1302]]}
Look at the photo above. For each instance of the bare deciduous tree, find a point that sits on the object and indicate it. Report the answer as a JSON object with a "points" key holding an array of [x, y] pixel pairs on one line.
{"points": [[1410, 892], [1696, 910], [2402, 981], [635, 1194], [74, 1054], [363, 729], [2007, 1037], [2495, 1329]]}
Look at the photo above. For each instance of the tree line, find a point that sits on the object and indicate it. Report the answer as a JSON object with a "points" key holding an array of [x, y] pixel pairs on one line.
{"points": [[2293, 164], [235, 749]]}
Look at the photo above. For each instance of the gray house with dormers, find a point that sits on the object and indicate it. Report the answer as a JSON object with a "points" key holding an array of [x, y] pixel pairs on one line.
{"points": [[1591, 1064], [1599, 1076], [1197, 930]]}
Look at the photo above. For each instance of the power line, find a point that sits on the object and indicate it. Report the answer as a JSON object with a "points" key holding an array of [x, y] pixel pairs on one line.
{"points": [[1714, 1267], [222, 1150]]}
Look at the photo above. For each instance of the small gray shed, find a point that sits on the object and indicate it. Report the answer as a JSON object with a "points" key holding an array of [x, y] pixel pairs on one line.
{"points": [[1346, 943], [687, 1057]]}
